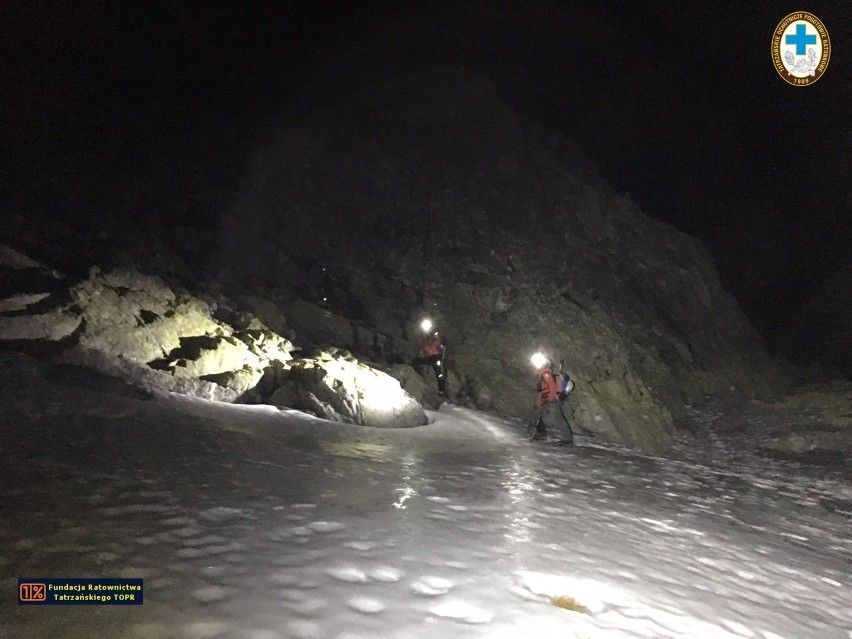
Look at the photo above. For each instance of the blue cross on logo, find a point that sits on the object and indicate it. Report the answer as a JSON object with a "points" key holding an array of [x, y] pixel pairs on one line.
{"points": [[800, 39]]}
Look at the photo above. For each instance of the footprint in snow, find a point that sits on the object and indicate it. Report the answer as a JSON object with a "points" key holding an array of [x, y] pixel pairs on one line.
{"points": [[461, 611], [366, 605], [220, 514], [326, 526], [431, 586], [209, 594], [349, 574], [386, 574]]}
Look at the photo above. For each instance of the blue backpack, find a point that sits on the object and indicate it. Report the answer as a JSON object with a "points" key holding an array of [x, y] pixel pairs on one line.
{"points": [[567, 384]]}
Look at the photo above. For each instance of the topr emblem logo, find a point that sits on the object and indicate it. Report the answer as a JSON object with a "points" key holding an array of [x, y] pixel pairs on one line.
{"points": [[800, 48]]}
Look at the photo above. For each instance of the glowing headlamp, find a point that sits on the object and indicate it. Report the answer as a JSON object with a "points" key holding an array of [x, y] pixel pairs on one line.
{"points": [[426, 325], [539, 359]]}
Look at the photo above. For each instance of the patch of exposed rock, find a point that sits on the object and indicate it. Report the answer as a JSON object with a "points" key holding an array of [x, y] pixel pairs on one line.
{"points": [[822, 424], [338, 387], [134, 327]]}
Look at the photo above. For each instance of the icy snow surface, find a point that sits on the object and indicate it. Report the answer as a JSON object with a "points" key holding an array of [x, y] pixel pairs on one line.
{"points": [[250, 522]]}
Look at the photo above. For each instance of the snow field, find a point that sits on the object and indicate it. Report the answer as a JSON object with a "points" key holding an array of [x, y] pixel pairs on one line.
{"points": [[247, 522]]}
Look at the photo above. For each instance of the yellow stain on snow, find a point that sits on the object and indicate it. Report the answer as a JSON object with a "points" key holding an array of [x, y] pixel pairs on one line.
{"points": [[569, 603]]}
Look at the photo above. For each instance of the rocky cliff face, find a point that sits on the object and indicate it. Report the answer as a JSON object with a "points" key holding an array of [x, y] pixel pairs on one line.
{"points": [[421, 194]]}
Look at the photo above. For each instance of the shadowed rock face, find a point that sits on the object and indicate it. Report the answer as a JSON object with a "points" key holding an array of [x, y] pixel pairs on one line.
{"points": [[421, 194], [821, 331]]}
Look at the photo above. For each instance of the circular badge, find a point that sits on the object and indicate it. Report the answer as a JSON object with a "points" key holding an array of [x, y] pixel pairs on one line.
{"points": [[800, 48]]}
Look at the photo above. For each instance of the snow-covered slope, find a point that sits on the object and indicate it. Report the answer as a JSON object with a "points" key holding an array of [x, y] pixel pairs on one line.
{"points": [[248, 522]]}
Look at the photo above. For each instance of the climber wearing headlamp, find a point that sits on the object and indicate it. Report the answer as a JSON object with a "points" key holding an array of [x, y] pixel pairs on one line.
{"points": [[432, 350], [551, 389]]}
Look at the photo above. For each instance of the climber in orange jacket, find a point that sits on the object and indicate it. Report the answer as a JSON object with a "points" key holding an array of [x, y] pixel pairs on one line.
{"points": [[548, 413], [431, 352], [547, 386]]}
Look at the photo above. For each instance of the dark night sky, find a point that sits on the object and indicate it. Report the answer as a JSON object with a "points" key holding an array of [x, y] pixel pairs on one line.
{"points": [[677, 103]]}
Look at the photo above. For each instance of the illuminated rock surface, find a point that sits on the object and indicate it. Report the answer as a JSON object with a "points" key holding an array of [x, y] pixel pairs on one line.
{"points": [[335, 386], [135, 327]]}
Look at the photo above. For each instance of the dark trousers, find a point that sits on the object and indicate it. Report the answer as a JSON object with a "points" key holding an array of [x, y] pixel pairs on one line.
{"points": [[437, 365], [550, 416]]}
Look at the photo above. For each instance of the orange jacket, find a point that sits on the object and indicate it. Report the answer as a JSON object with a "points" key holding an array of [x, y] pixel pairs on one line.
{"points": [[431, 345], [548, 387]]}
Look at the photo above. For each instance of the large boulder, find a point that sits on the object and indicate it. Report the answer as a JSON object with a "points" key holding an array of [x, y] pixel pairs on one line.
{"points": [[336, 386], [413, 383]]}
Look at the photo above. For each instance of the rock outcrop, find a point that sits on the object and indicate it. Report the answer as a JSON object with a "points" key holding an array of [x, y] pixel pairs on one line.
{"points": [[334, 385], [135, 327]]}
